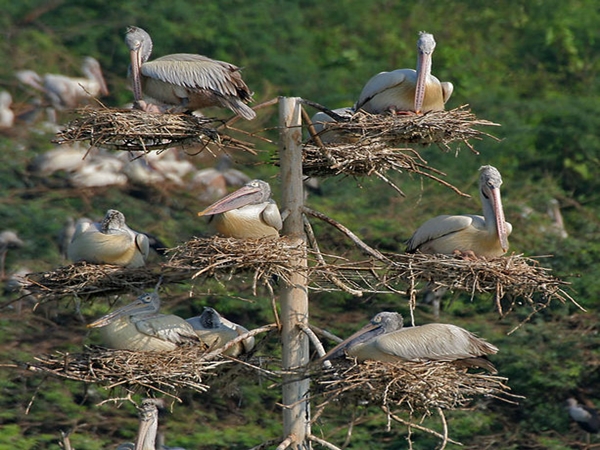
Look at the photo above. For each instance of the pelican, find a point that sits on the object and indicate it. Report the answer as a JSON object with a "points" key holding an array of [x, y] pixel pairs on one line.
{"points": [[8, 239], [185, 80], [385, 339], [249, 212], [139, 327], [215, 331], [485, 236], [109, 242], [587, 418], [214, 181], [147, 432], [68, 92], [407, 89], [7, 116], [321, 120]]}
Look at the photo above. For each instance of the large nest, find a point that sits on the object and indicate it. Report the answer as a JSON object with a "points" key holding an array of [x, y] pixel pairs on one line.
{"points": [[166, 372], [512, 278], [135, 130], [265, 258], [435, 127], [86, 280], [420, 386]]}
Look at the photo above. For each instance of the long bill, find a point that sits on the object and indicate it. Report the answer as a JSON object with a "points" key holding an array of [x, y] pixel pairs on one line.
{"points": [[361, 335], [242, 197], [130, 309], [136, 70], [499, 218], [423, 71]]}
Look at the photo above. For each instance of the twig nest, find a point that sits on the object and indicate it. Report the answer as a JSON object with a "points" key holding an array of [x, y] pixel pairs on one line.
{"points": [[166, 372], [135, 130], [416, 385]]}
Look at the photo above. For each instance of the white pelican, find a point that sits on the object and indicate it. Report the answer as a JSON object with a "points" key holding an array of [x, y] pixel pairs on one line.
{"points": [[587, 418], [249, 212], [384, 339], [68, 92], [485, 236], [188, 81], [139, 327], [407, 89], [7, 115], [8, 239], [109, 242], [215, 331]]}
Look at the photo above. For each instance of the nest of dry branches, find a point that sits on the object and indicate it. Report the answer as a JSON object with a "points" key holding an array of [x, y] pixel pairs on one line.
{"points": [[512, 278], [166, 372], [434, 127], [135, 130], [265, 258], [418, 386], [86, 280]]}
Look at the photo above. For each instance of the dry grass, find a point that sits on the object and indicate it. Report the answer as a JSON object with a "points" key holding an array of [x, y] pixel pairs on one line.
{"points": [[135, 130]]}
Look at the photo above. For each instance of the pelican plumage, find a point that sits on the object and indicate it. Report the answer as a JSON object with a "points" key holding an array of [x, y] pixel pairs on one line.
{"points": [[109, 242], [486, 236], [215, 331], [249, 212], [407, 89], [215, 181], [587, 418], [147, 432], [185, 80], [7, 115], [8, 239], [385, 339], [139, 327], [321, 121]]}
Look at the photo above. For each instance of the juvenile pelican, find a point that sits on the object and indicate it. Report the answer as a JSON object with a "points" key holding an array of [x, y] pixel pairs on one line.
{"points": [[407, 89], [215, 331], [587, 418], [188, 81], [139, 327], [384, 339], [109, 242], [249, 212], [485, 236]]}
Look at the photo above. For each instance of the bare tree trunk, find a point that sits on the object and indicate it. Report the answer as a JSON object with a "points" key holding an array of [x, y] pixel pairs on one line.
{"points": [[294, 297]]}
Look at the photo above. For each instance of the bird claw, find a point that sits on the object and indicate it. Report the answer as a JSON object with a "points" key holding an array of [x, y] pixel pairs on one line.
{"points": [[467, 255]]}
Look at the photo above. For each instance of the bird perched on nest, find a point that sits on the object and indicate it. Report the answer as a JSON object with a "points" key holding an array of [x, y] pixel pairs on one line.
{"points": [[187, 81], [109, 242], [249, 212], [485, 236], [587, 418], [139, 327], [385, 339], [405, 90], [216, 331], [321, 122]]}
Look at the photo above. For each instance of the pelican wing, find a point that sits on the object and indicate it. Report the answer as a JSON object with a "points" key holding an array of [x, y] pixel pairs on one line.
{"points": [[271, 216], [167, 327], [384, 81], [94, 246], [195, 72], [438, 227], [143, 244]]}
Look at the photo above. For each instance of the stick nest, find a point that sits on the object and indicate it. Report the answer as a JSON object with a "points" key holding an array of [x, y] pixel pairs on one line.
{"points": [[264, 257], [417, 385], [166, 372], [513, 277], [86, 280], [135, 130]]}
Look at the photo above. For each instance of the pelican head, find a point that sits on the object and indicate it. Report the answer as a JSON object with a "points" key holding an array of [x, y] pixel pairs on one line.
{"points": [[113, 220], [145, 304], [91, 67], [139, 43], [210, 318], [490, 181], [252, 193], [425, 47], [383, 322]]}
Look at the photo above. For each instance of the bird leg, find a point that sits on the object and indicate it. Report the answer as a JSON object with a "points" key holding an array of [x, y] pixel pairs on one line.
{"points": [[467, 255]]}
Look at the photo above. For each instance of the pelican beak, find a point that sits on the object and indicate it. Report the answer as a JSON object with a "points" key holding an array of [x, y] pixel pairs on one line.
{"points": [[237, 199], [136, 68], [423, 71], [110, 317], [100, 79], [361, 335], [500, 220]]}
